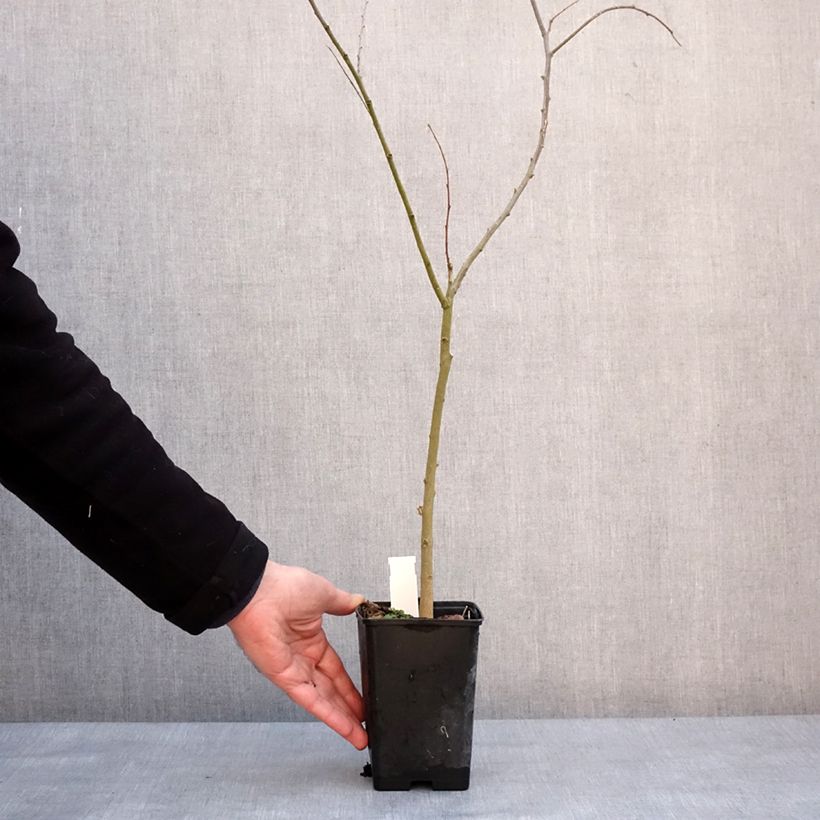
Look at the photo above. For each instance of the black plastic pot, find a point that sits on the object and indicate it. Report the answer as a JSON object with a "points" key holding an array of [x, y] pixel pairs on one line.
{"points": [[418, 682]]}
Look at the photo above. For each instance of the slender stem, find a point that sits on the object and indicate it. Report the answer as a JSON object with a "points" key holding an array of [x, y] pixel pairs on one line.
{"points": [[614, 8], [530, 172], [444, 361], [347, 76], [361, 39], [447, 215], [566, 8], [387, 153]]}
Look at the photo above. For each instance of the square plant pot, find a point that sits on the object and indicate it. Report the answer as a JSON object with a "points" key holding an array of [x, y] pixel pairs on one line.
{"points": [[418, 683]]}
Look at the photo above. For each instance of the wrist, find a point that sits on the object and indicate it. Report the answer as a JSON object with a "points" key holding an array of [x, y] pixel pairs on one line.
{"points": [[260, 590]]}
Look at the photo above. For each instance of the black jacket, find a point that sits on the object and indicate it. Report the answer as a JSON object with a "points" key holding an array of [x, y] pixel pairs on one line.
{"points": [[71, 449]]}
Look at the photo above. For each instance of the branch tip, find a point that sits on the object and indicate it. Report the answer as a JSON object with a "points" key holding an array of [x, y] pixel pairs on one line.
{"points": [[614, 8], [566, 8], [361, 39]]}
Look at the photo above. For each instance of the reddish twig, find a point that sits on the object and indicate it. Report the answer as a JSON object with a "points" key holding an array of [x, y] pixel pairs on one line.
{"points": [[447, 217]]}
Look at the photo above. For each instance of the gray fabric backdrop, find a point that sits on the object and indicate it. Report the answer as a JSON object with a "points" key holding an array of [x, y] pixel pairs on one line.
{"points": [[629, 474]]}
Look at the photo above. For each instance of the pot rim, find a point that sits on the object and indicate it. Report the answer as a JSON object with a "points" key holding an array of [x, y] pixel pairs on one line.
{"points": [[476, 617]]}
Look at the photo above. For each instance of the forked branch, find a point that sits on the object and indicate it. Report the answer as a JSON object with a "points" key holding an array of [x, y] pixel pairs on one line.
{"points": [[529, 173]]}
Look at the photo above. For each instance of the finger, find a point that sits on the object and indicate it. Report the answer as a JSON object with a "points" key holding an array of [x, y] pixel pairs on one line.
{"points": [[308, 686], [310, 698], [332, 666], [342, 603], [328, 690]]}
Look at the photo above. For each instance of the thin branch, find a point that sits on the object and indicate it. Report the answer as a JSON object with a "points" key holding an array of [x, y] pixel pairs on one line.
{"points": [[530, 172], [447, 217], [614, 8], [537, 12], [347, 76], [361, 39], [566, 8], [368, 103]]}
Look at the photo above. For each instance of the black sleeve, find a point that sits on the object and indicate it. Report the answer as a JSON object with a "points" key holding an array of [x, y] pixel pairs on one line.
{"points": [[71, 449]]}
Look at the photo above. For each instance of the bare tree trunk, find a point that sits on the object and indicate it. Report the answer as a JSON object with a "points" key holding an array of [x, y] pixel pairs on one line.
{"points": [[447, 297]]}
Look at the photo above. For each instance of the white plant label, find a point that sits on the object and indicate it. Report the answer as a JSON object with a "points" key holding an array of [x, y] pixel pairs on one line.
{"points": [[404, 587]]}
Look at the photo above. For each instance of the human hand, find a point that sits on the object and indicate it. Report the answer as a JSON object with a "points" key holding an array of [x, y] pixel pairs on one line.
{"points": [[281, 633]]}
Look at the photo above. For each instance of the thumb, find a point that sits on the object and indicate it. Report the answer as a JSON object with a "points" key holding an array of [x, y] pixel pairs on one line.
{"points": [[342, 603]]}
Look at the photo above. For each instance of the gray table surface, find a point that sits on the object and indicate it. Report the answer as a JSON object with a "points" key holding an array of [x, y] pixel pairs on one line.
{"points": [[752, 767]]}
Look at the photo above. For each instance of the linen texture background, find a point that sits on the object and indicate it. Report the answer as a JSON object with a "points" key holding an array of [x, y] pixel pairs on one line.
{"points": [[629, 467]]}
